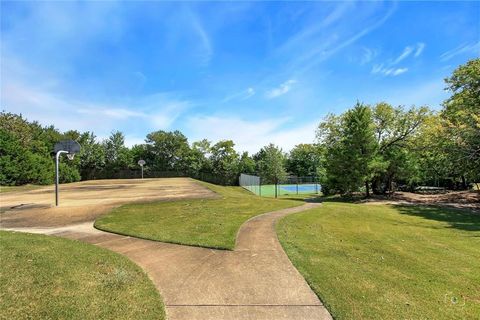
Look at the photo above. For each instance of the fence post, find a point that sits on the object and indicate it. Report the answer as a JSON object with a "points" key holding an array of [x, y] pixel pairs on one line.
{"points": [[260, 187], [297, 185]]}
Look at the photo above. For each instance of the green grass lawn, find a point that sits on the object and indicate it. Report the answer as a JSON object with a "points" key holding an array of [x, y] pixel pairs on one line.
{"points": [[388, 262], [43, 277], [210, 223]]}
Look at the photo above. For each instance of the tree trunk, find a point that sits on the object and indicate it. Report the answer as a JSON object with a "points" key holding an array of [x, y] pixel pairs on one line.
{"points": [[276, 186], [464, 183], [375, 186], [367, 189]]}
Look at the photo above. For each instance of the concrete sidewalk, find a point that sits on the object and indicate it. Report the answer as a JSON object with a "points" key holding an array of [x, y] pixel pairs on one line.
{"points": [[255, 281]]}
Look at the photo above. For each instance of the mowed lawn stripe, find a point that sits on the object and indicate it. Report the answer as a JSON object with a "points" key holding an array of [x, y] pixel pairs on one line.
{"points": [[212, 223], [388, 262]]}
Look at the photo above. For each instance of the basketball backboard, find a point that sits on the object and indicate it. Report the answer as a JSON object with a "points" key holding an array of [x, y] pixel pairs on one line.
{"points": [[70, 146]]}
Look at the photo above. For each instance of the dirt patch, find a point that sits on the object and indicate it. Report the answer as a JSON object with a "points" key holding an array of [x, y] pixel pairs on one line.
{"points": [[84, 201], [456, 199]]}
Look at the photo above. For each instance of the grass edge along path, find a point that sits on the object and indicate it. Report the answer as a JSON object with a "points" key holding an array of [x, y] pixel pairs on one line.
{"points": [[210, 223], [49, 277], [388, 262]]}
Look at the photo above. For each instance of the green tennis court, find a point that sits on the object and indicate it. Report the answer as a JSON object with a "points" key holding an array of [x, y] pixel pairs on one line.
{"points": [[268, 190]]}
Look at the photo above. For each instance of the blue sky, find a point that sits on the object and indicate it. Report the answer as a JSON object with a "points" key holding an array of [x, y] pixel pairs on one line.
{"points": [[254, 72]]}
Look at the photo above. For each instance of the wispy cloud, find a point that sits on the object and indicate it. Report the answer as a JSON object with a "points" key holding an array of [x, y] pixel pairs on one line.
{"points": [[206, 45], [318, 47], [114, 113], [367, 55], [280, 90], [416, 50], [420, 48], [242, 95], [405, 53], [386, 71], [390, 69], [304, 37], [49, 107], [464, 48]]}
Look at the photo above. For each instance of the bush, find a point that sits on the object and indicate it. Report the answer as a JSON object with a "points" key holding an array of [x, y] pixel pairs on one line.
{"points": [[68, 173]]}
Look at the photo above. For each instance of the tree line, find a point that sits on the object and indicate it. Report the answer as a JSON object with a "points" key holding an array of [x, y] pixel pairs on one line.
{"points": [[26, 156], [371, 148], [376, 148]]}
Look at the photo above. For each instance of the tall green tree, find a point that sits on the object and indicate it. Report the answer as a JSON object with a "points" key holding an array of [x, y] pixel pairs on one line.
{"points": [[461, 119], [395, 128], [167, 150], [25, 151], [91, 157], [225, 160], [350, 150], [117, 156], [271, 164], [199, 157], [360, 146], [19, 165], [246, 164], [305, 160]]}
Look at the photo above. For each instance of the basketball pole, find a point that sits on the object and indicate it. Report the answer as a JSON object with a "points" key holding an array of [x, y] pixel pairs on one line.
{"points": [[57, 157]]}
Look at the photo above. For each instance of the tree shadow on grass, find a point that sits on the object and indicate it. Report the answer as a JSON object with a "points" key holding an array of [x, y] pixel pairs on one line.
{"points": [[355, 198], [316, 199], [456, 218]]}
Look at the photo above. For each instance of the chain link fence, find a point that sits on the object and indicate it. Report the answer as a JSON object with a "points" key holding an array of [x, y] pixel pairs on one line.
{"points": [[251, 183], [137, 174], [291, 185]]}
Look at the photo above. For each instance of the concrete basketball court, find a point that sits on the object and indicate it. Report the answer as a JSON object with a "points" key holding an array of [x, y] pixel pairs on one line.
{"points": [[84, 201]]}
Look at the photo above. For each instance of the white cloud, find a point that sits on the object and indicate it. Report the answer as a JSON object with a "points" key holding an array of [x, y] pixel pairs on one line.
{"points": [[387, 71], [242, 95], [116, 113], [406, 52], [420, 47], [250, 92], [251, 136], [399, 71], [390, 69], [367, 55], [464, 48], [280, 90], [150, 113], [206, 50], [315, 47]]}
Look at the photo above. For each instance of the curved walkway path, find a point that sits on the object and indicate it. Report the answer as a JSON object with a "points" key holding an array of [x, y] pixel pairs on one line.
{"points": [[255, 281]]}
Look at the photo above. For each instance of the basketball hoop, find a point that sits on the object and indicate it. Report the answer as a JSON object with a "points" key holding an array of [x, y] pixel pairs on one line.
{"points": [[69, 147], [141, 163]]}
